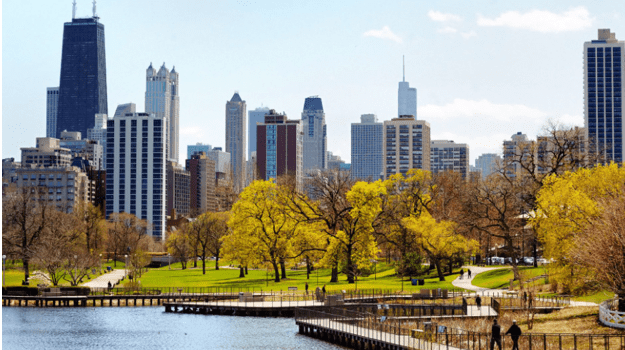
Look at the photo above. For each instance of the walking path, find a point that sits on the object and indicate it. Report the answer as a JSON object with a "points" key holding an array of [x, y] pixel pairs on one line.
{"points": [[475, 270], [102, 281]]}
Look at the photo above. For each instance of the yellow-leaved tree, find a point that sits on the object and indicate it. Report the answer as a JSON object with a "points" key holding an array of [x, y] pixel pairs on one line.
{"points": [[438, 239], [566, 205]]}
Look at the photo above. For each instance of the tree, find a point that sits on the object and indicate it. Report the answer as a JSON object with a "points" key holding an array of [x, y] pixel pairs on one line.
{"points": [[179, 246], [600, 248], [259, 220], [77, 266], [438, 239], [93, 225], [206, 233], [567, 206], [24, 223], [127, 234]]}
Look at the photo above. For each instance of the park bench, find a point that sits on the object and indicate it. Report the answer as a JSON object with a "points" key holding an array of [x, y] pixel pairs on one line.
{"points": [[54, 292], [292, 289]]}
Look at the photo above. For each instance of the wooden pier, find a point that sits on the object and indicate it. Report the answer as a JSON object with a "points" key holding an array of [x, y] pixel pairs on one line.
{"points": [[97, 300], [238, 308]]}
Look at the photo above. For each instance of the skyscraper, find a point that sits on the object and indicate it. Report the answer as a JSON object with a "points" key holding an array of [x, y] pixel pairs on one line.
{"points": [[52, 108], [487, 163], [202, 184], [235, 139], [161, 99], [449, 156], [255, 116], [367, 148], [279, 147], [406, 145], [406, 98], [198, 147], [516, 150], [603, 92], [82, 89], [135, 168], [315, 137]]}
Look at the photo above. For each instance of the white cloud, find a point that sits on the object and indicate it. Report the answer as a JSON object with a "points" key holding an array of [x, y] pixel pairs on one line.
{"points": [[484, 125], [468, 35], [443, 17], [384, 33], [448, 30], [577, 18]]}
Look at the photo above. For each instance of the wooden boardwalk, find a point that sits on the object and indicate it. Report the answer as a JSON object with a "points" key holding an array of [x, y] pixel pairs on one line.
{"points": [[252, 308]]}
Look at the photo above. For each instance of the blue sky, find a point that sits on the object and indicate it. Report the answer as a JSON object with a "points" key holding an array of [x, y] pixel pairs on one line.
{"points": [[483, 69]]}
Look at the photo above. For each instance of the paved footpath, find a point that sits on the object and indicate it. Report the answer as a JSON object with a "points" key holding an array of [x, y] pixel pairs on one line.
{"points": [[102, 281], [475, 270]]}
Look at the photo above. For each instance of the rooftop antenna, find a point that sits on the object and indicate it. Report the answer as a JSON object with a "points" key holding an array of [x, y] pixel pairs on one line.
{"points": [[403, 62], [94, 15], [74, 9]]}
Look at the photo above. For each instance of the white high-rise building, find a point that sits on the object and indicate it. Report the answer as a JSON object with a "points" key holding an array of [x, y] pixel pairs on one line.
{"points": [[161, 98], [367, 148], [604, 76], [135, 169], [406, 145], [449, 156], [406, 98], [52, 106], [315, 135], [235, 139], [255, 116]]}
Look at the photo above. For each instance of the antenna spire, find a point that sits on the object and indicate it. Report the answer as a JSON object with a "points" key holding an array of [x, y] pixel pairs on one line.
{"points": [[74, 9], [403, 62], [94, 14]]}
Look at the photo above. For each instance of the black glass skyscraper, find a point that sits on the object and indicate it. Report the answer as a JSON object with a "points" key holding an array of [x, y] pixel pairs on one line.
{"points": [[82, 90]]}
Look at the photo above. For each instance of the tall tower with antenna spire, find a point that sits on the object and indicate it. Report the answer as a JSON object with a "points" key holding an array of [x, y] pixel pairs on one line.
{"points": [[74, 9], [406, 96]]}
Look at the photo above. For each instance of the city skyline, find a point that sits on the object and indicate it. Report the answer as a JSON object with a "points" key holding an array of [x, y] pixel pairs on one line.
{"points": [[458, 57]]}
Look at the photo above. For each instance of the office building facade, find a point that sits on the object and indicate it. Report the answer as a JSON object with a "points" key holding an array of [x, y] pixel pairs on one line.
{"points": [[604, 75], [202, 183], [254, 117], [197, 148], [314, 135], [82, 88], [135, 169], [47, 153], [406, 98], [449, 156], [236, 139], [178, 190], [52, 108], [367, 148], [487, 163], [406, 145]]}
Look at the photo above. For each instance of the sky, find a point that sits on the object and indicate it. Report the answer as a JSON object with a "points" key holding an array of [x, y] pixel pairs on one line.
{"points": [[483, 70]]}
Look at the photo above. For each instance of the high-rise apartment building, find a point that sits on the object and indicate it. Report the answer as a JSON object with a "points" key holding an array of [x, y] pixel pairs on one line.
{"points": [[515, 151], [52, 108], [254, 117], [449, 156], [236, 139], [406, 145], [367, 148], [135, 168], [202, 184], [406, 98], [604, 75], [279, 147], [86, 149], [161, 99], [487, 163], [335, 161], [197, 148], [47, 153], [178, 190], [315, 135], [82, 88]]}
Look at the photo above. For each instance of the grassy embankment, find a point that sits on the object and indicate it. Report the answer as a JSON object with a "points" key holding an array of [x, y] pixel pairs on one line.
{"points": [[14, 274]]}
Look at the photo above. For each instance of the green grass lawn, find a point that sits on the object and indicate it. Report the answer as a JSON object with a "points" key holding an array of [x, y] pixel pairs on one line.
{"points": [[263, 279], [500, 278]]}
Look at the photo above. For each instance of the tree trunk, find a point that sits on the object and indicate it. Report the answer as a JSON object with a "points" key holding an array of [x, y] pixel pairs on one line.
{"points": [[203, 265], [335, 275], [307, 268], [241, 272], [350, 266], [246, 269], [621, 302], [451, 266], [439, 269], [26, 262], [276, 272], [195, 258], [217, 262], [535, 252], [283, 268]]}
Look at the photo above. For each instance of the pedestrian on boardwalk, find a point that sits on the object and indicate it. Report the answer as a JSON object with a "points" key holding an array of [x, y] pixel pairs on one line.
{"points": [[531, 300], [525, 299], [306, 288], [515, 333], [478, 301], [469, 273], [109, 285], [461, 273], [323, 289], [495, 335]]}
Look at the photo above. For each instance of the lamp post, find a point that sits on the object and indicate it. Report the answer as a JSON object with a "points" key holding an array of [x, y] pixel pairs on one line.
{"points": [[169, 260], [100, 263], [4, 259], [126, 265], [76, 268]]}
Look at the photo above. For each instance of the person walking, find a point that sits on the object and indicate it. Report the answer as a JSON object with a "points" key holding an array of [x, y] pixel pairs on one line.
{"points": [[515, 333], [324, 291], [306, 288], [478, 301], [461, 273], [495, 335], [469, 273]]}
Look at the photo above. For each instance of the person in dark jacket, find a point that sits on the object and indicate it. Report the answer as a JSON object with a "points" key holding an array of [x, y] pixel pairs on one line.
{"points": [[478, 301], [495, 336], [515, 333]]}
